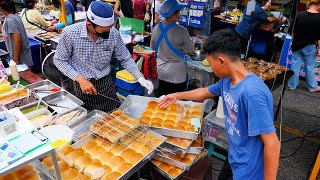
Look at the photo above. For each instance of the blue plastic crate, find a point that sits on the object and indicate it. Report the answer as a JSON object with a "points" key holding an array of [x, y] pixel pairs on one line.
{"points": [[125, 88]]}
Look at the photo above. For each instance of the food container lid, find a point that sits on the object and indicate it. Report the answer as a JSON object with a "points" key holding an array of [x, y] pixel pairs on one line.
{"points": [[126, 76]]}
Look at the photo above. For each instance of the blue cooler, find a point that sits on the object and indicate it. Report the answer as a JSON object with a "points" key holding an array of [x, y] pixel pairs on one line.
{"points": [[127, 84]]}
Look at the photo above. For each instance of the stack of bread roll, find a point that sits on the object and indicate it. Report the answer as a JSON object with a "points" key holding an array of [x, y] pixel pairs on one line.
{"points": [[197, 143], [179, 142], [27, 172], [173, 117], [202, 154], [114, 126], [185, 159], [100, 159], [172, 171]]}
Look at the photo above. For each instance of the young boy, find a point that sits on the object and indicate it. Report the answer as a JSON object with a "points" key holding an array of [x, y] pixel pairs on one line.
{"points": [[254, 147]]}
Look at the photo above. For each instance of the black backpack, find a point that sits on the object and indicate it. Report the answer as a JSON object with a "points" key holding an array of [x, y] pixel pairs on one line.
{"points": [[126, 8]]}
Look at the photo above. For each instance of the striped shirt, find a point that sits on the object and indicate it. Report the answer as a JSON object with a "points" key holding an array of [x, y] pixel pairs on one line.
{"points": [[77, 54]]}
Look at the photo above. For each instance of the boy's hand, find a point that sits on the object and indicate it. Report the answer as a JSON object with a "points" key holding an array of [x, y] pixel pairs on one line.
{"points": [[168, 100]]}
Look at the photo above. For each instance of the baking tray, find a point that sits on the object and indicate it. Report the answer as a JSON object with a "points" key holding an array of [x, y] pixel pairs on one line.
{"points": [[134, 106], [199, 157], [173, 148], [62, 98], [45, 84], [137, 166], [74, 119], [42, 170], [163, 158], [195, 150], [166, 175], [82, 125]]}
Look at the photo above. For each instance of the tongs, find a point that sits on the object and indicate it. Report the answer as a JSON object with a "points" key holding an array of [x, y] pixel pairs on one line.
{"points": [[52, 90], [56, 105]]}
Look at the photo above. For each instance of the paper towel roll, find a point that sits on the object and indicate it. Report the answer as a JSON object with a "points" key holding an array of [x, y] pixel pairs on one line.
{"points": [[219, 112]]}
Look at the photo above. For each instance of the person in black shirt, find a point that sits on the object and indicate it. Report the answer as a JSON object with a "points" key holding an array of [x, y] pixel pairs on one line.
{"points": [[305, 37], [86, 4]]}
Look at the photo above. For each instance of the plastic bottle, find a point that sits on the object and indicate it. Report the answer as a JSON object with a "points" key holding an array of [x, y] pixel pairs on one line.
{"points": [[219, 112], [14, 70]]}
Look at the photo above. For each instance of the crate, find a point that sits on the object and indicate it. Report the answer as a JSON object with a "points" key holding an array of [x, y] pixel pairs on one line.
{"points": [[126, 85], [214, 131]]}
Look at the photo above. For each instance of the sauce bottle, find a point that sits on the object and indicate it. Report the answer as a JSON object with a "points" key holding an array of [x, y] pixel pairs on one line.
{"points": [[14, 70]]}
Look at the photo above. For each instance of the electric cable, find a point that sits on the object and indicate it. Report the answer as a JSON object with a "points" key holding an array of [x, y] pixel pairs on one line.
{"points": [[304, 137], [318, 117]]}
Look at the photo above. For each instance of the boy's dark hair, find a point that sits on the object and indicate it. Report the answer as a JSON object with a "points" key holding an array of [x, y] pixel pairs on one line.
{"points": [[225, 42], [8, 6]]}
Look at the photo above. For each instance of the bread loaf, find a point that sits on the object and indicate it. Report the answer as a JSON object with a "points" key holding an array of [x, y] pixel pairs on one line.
{"points": [[94, 170]]}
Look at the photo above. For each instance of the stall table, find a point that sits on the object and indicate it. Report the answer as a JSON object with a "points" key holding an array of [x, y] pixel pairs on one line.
{"points": [[35, 154]]}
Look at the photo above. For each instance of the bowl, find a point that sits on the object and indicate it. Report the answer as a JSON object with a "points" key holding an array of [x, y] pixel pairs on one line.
{"points": [[198, 55], [58, 135]]}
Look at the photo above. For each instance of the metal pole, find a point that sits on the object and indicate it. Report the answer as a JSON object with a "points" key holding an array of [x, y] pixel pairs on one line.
{"points": [[63, 11]]}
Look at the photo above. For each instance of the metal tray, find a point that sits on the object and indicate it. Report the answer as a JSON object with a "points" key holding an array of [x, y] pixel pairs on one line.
{"points": [[42, 170], [137, 166], [83, 124], [62, 98], [135, 106], [166, 175], [5, 105], [75, 118], [45, 84], [200, 157], [173, 148], [163, 158], [32, 105], [12, 87], [195, 150]]}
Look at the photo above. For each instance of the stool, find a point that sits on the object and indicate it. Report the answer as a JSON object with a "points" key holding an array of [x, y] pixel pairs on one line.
{"points": [[214, 149]]}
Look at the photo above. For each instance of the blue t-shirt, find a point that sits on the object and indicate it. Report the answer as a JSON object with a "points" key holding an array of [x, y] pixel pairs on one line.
{"points": [[248, 112], [243, 27]]}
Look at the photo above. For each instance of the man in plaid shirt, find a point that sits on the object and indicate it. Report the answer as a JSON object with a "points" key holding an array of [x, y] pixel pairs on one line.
{"points": [[84, 54]]}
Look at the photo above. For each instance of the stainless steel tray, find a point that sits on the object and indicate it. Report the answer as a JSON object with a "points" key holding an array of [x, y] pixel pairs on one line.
{"points": [[195, 150], [32, 99], [32, 105], [75, 118], [45, 84], [166, 175], [173, 148], [135, 106], [82, 125], [200, 157], [62, 98], [42, 170], [163, 158], [137, 166], [12, 87]]}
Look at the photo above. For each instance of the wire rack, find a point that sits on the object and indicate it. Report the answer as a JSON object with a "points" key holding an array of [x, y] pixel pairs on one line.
{"points": [[114, 126]]}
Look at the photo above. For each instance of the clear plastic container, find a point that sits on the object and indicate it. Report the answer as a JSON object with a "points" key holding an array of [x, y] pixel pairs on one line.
{"points": [[44, 118]]}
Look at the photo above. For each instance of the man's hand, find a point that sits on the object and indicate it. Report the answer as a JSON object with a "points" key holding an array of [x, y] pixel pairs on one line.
{"points": [[86, 86], [146, 83], [168, 100]]}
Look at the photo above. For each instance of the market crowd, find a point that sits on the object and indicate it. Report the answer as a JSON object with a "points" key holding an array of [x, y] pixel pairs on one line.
{"points": [[85, 50]]}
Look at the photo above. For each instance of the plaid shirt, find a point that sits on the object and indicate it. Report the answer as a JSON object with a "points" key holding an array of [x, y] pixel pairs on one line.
{"points": [[77, 54]]}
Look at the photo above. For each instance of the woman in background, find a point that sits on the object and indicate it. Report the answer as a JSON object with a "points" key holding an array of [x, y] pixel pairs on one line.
{"points": [[33, 21]]}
